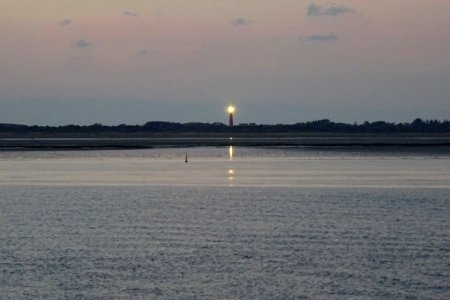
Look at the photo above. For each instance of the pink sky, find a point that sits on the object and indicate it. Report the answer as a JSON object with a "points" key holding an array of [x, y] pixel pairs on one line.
{"points": [[352, 60]]}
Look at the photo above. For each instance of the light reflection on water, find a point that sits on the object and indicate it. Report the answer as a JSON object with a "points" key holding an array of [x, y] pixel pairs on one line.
{"points": [[231, 172], [219, 166]]}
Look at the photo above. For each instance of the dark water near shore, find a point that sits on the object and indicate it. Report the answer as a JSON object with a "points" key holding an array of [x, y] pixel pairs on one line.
{"points": [[284, 224]]}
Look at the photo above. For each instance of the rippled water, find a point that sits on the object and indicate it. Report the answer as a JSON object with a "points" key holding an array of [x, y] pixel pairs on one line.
{"points": [[284, 224]]}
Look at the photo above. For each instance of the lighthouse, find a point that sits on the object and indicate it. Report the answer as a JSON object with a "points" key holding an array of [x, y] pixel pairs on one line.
{"points": [[231, 109]]}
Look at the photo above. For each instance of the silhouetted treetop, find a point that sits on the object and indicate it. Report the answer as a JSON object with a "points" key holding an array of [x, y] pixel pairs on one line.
{"points": [[325, 125]]}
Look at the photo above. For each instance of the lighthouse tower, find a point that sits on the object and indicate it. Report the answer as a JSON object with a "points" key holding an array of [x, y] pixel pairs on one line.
{"points": [[231, 109]]}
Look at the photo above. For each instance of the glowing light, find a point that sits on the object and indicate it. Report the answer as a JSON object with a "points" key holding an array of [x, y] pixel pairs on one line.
{"points": [[230, 152], [230, 174], [231, 109]]}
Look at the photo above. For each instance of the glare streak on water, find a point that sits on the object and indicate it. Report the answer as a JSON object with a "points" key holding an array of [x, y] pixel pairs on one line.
{"points": [[288, 225]]}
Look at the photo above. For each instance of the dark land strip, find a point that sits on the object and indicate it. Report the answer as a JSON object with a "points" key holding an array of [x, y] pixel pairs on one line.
{"points": [[378, 140]]}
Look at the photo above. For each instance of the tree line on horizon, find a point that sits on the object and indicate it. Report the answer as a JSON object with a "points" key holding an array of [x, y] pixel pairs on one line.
{"points": [[325, 125]]}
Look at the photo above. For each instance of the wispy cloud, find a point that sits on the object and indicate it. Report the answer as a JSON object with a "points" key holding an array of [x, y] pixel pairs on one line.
{"points": [[332, 10], [65, 22], [82, 43], [330, 37], [142, 52], [130, 14], [240, 22]]}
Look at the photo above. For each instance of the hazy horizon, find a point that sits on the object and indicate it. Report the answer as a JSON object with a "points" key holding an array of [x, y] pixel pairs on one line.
{"points": [[287, 61], [86, 120]]}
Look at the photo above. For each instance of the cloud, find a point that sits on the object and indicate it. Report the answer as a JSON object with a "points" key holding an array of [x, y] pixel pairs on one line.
{"points": [[82, 43], [332, 10], [240, 22], [322, 38], [130, 14], [65, 22], [314, 10], [142, 52]]}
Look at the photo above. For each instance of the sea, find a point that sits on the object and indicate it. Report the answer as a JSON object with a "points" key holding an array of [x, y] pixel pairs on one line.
{"points": [[226, 223]]}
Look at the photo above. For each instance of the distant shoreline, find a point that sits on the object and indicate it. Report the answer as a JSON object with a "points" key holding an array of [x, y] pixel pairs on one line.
{"points": [[173, 141]]}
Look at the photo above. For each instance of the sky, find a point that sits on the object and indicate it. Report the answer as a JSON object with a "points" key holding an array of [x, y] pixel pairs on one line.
{"points": [[279, 61]]}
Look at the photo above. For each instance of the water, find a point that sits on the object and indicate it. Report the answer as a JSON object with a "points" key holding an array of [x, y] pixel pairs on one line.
{"points": [[283, 224]]}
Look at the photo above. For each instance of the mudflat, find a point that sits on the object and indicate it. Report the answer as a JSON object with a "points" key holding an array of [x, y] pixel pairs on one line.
{"points": [[310, 140]]}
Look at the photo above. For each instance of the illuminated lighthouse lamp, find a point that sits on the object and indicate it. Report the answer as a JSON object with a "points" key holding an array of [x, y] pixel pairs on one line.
{"points": [[231, 109]]}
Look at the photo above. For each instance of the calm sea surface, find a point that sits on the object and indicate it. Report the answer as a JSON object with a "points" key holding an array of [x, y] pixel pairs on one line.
{"points": [[232, 223]]}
